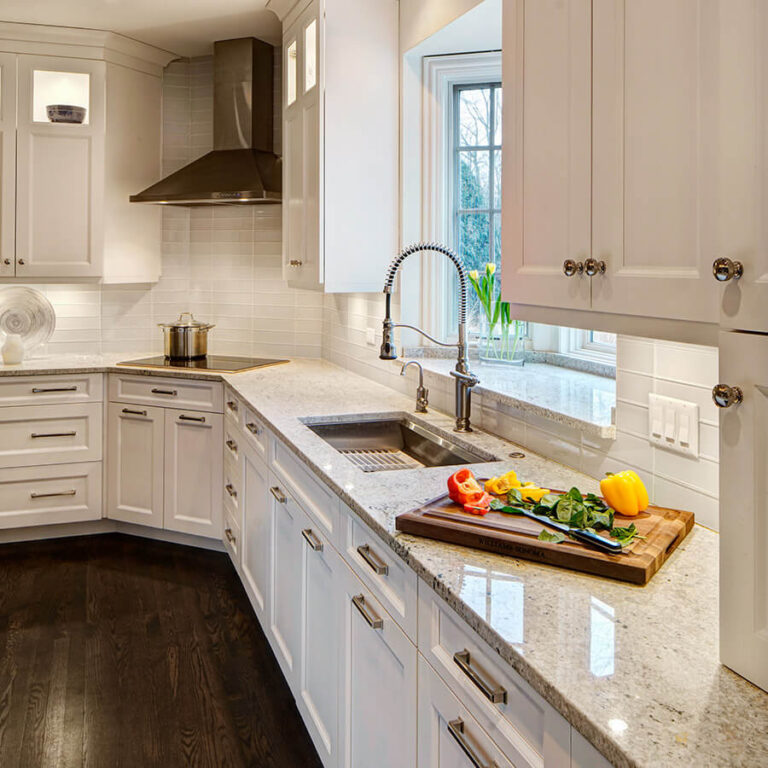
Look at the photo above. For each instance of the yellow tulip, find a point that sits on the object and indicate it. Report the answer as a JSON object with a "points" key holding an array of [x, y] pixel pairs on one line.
{"points": [[490, 267], [474, 274]]}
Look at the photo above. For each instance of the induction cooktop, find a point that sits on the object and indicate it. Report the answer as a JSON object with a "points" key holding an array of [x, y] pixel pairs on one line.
{"points": [[212, 363]]}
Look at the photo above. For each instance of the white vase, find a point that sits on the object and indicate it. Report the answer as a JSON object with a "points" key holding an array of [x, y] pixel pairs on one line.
{"points": [[13, 349]]}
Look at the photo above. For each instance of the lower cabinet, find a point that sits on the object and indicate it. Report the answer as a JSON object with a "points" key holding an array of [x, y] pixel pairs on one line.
{"points": [[449, 736]]}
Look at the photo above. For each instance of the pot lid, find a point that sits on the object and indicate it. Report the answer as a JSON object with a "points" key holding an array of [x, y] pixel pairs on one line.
{"points": [[187, 320]]}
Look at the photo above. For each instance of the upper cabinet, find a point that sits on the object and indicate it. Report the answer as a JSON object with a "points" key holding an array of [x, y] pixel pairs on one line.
{"points": [[340, 142], [65, 185], [634, 154]]}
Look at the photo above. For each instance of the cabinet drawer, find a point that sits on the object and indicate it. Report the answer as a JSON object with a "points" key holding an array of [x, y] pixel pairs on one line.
{"points": [[316, 500], [234, 409], [448, 732], [233, 448], [50, 434], [529, 731], [231, 535], [68, 493], [256, 433], [233, 483], [189, 394], [46, 390], [382, 571]]}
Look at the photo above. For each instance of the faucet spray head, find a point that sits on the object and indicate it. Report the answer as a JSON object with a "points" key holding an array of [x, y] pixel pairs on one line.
{"points": [[388, 350]]}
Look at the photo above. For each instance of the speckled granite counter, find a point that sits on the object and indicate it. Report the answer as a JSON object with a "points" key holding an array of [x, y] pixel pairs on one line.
{"points": [[635, 669]]}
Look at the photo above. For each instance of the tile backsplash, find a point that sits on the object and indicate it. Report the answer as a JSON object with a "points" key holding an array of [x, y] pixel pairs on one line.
{"points": [[222, 263]]}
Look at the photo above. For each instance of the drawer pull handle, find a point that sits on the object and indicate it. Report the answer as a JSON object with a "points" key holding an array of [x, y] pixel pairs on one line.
{"points": [[232, 445], [253, 428], [35, 435], [492, 691], [456, 729], [131, 412], [34, 495], [232, 405], [171, 392], [230, 536], [278, 494], [374, 561], [230, 489], [312, 540], [374, 621], [199, 419], [42, 390]]}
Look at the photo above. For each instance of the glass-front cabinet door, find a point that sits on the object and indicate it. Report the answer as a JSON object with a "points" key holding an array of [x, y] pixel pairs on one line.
{"points": [[60, 167], [7, 163]]}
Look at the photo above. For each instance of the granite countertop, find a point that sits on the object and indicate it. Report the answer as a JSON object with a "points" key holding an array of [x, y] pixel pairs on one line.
{"points": [[634, 669]]}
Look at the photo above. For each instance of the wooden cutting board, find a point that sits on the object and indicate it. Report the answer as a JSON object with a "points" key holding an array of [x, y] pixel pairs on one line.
{"points": [[515, 535]]}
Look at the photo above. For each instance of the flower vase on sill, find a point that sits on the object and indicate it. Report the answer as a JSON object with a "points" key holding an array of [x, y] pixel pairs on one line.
{"points": [[500, 338]]}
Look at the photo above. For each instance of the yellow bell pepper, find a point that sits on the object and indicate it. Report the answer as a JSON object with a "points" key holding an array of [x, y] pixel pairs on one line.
{"points": [[502, 484], [533, 493], [625, 493]]}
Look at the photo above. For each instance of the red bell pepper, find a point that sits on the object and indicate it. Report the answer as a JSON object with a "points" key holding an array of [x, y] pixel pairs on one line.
{"points": [[479, 504], [462, 486]]}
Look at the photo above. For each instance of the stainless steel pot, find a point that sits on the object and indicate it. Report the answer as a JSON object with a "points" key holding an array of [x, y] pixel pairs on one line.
{"points": [[186, 338]]}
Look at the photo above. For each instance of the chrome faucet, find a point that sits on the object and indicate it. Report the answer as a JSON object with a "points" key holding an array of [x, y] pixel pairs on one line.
{"points": [[465, 379], [422, 394]]}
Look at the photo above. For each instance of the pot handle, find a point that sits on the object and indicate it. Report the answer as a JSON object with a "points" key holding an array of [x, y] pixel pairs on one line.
{"points": [[187, 315]]}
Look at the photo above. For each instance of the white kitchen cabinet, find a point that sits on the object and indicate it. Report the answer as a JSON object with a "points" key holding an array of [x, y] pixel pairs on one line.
{"points": [[584, 755], [378, 683], [340, 142], [193, 470], [449, 737], [744, 511], [135, 464], [7, 164]]}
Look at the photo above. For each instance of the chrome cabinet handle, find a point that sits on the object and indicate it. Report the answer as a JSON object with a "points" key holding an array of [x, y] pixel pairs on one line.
{"points": [[374, 561], [571, 267], [295, 263], [34, 495], [199, 419], [725, 396], [594, 267], [230, 536], [725, 270], [131, 412], [278, 494], [232, 445], [40, 390], [492, 691], [456, 729], [374, 621], [232, 405], [230, 489], [171, 392], [312, 540], [35, 435], [253, 428]]}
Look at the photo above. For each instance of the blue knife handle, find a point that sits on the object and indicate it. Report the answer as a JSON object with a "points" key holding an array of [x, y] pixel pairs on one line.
{"points": [[593, 539]]}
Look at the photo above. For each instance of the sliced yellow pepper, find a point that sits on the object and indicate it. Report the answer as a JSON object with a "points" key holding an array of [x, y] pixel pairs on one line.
{"points": [[625, 493], [532, 493], [502, 484]]}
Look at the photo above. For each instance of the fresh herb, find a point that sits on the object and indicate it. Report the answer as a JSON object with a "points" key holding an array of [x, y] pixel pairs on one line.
{"points": [[626, 535], [554, 536]]}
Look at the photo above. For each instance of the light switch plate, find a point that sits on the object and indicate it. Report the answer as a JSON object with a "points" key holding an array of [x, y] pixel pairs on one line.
{"points": [[673, 424], [370, 337]]}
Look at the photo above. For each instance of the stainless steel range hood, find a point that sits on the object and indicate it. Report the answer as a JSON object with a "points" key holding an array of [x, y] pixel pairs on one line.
{"points": [[242, 168]]}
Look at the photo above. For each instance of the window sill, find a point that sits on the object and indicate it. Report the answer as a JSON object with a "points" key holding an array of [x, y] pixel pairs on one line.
{"points": [[582, 401]]}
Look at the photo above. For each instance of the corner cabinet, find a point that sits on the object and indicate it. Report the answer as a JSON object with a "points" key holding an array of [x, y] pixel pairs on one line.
{"points": [[340, 142], [65, 211]]}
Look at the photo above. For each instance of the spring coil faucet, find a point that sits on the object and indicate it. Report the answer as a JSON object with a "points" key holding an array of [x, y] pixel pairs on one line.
{"points": [[465, 379]]}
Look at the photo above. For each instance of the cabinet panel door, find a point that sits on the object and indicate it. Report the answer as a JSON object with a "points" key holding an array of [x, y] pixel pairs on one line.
{"points": [[135, 464], [546, 173], [655, 130], [193, 472], [378, 684], [256, 531], [321, 635], [60, 179], [7, 164], [743, 170], [744, 524]]}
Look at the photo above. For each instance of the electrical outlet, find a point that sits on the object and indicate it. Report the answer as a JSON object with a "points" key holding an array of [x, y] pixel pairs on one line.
{"points": [[673, 424], [370, 337]]}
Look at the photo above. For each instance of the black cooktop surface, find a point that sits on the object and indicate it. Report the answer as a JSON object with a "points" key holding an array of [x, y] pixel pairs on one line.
{"points": [[216, 363]]}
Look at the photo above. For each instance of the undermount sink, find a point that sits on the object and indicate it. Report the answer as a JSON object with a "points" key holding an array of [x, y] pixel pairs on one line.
{"points": [[377, 445]]}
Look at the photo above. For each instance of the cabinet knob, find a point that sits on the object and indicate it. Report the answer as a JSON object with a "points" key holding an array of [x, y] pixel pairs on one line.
{"points": [[21, 262], [294, 263], [725, 396], [571, 267], [7, 262], [725, 270], [594, 267]]}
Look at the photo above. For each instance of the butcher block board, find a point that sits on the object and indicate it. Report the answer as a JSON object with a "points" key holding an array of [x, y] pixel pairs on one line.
{"points": [[517, 536]]}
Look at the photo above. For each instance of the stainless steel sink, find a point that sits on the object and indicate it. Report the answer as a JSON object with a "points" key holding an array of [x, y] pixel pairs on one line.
{"points": [[377, 445]]}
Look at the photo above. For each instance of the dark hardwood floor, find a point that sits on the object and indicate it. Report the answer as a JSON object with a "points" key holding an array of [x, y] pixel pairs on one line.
{"points": [[120, 652]]}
